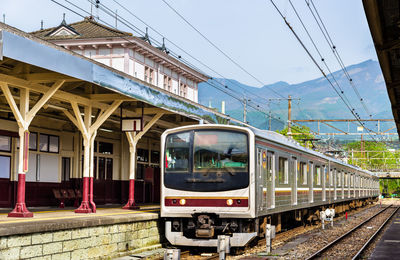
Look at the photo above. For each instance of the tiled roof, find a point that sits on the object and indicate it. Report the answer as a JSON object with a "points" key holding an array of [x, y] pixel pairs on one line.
{"points": [[88, 28]]}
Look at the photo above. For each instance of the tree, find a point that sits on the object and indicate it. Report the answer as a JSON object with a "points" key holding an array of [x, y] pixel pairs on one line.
{"points": [[299, 133]]}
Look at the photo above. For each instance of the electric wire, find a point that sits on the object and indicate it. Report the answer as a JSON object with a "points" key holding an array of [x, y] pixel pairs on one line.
{"points": [[335, 51], [319, 68], [138, 31], [130, 25], [216, 47]]}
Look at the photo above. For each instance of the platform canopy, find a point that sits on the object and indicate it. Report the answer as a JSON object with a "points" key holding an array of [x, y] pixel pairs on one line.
{"points": [[383, 19], [29, 62]]}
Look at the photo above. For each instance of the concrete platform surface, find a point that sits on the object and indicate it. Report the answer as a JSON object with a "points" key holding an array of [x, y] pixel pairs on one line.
{"points": [[61, 219], [389, 244]]}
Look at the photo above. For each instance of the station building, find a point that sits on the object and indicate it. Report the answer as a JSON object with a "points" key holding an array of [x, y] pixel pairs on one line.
{"points": [[64, 94]]}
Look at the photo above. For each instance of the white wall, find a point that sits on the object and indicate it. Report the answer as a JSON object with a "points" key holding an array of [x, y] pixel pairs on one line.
{"points": [[105, 61], [139, 70], [118, 63], [160, 80], [174, 88]]}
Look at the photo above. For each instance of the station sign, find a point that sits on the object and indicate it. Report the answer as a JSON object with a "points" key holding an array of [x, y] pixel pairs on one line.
{"points": [[132, 125]]}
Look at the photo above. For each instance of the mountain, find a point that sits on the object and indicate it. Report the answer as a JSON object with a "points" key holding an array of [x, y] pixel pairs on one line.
{"points": [[318, 100]]}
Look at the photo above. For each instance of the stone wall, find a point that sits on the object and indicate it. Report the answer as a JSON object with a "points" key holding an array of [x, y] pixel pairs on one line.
{"points": [[95, 242]]}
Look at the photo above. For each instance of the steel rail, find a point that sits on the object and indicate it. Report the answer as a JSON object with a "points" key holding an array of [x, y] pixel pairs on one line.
{"points": [[334, 242], [374, 235]]}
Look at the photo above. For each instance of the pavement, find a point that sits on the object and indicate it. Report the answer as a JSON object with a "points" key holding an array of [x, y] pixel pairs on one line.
{"points": [[54, 219]]}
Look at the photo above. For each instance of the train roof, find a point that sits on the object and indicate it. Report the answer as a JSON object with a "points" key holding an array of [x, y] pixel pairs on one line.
{"points": [[276, 138], [281, 139]]}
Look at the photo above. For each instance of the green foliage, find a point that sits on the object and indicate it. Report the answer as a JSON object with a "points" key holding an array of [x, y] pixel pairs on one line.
{"points": [[373, 155], [299, 133], [390, 187]]}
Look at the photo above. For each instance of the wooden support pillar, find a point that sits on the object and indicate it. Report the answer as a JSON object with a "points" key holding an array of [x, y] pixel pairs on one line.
{"points": [[133, 139], [24, 117], [89, 132]]}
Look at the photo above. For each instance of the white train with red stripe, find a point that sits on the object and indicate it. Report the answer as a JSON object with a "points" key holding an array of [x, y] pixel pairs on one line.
{"points": [[222, 179]]}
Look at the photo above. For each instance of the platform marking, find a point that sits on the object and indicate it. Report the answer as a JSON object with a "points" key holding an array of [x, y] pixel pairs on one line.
{"points": [[72, 217], [392, 241]]}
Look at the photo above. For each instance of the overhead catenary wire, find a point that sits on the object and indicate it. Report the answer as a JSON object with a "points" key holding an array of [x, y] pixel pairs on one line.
{"points": [[187, 53], [218, 48], [141, 32], [130, 25], [318, 66], [109, 12], [335, 51]]}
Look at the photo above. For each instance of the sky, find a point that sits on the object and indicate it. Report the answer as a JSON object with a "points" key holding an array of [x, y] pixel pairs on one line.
{"points": [[250, 32]]}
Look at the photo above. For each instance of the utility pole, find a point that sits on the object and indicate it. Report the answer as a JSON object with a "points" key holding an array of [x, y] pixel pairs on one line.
{"points": [[289, 99], [289, 133], [270, 117], [245, 109]]}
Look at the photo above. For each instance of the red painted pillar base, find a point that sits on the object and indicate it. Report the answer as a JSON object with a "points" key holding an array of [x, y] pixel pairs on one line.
{"points": [[20, 210], [131, 201], [92, 204], [85, 207]]}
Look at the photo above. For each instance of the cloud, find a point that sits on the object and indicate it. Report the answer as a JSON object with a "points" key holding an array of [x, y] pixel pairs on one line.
{"points": [[328, 100]]}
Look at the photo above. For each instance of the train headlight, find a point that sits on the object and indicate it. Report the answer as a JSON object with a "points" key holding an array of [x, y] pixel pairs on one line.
{"points": [[229, 202], [182, 202]]}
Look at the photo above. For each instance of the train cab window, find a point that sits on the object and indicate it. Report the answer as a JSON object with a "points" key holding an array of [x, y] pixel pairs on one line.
{"points": [[283, 170], [177, 152], [317, 175], [303, 173], [220, 150]]}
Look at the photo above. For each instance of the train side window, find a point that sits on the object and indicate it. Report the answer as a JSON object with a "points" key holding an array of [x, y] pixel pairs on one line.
{"points": [[317, 176], [283, 170], [303, 173]]}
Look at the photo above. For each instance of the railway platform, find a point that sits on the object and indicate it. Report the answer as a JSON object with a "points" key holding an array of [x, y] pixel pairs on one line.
{"points": [[388, 245], [63, 234]]}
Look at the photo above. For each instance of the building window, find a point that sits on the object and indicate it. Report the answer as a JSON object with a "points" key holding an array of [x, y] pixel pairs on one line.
{"points": [[155, 157], [142, 155], [33, 141], [331, 177], [5, 162], [283, 170], [303, 173], [339, 179], [148, 75], [49, 143], [106, 148], [5, 143]]}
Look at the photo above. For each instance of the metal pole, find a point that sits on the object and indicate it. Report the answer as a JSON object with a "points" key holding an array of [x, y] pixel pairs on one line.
{"points": [[244, 109], [270, 117], [289, 133], [268, 238]]}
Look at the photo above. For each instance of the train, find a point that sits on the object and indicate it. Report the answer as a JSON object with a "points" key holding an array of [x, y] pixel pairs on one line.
{"points": [[233, 180]]}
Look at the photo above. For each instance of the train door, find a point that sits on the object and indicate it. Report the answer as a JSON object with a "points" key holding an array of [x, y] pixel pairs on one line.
{"points": [[294, 171], [311, 182], [271, 180], [261, 179]]}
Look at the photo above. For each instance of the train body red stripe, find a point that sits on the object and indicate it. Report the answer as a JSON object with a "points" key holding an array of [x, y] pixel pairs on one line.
{"points": [[193, 202]]}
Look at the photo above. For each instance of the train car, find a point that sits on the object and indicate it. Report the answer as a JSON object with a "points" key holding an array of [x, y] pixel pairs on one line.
{"points": [[231, 180]]}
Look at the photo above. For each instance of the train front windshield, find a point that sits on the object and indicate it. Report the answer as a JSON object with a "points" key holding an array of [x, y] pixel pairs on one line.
{"points": [[206, 160]]}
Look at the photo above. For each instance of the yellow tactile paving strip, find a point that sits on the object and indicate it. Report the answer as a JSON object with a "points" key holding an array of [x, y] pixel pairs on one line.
{"points": [[50, 215]]}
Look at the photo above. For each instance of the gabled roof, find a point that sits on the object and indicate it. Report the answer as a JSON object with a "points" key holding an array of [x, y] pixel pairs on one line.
{"points": [[86, 29]]}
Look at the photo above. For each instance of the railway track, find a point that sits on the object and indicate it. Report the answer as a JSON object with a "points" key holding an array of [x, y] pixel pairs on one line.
{"points": [[355, 241]]}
